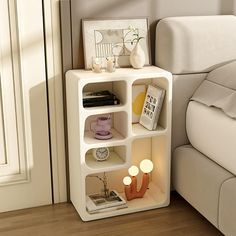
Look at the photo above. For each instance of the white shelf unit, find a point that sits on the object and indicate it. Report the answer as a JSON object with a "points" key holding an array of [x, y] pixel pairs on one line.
{"points": [[130, 144]]}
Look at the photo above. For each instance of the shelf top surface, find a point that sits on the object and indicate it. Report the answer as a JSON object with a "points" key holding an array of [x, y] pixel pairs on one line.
{"points": [[90, 140], [147, 71], [139, 130], [113, 161]]}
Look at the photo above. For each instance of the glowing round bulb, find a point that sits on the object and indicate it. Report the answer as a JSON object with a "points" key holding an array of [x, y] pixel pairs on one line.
{"points": [[146, 166], [133, 170], [127, 180]]}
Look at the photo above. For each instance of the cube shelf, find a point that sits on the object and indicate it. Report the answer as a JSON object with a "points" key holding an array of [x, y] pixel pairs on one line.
{"points": [[130, 144]]}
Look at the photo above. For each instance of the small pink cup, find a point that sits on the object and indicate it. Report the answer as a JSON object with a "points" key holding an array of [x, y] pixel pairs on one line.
{"points": [[102, 127]]}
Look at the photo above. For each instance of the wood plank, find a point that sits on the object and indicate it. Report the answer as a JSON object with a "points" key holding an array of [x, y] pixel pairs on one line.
{"points": [[61, 219]]}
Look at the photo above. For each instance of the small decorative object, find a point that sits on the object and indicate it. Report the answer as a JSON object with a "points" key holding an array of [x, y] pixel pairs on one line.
{"points": [[96, 65], [102, 127], [112, 38], [137, 55], [111, 64], [106, 201], [131, 191], [138, 97], [105, 191], [152, 107], [101, 154]]}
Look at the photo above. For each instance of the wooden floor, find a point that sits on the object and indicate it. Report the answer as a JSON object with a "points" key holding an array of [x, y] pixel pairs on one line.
{"points": [[61, 219]]}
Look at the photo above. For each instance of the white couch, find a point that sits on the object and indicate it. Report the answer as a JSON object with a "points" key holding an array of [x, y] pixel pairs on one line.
{"points": [[203, 136]]}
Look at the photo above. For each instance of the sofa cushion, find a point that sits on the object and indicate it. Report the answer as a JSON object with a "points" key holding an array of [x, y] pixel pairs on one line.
{"points": [[212, 133], [224, 75], [195, 44], [219, 89]]}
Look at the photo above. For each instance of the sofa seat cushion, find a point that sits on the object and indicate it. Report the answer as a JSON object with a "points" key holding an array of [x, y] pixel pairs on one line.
{"points": [[212, 133], [227, 207], [198, 180]]}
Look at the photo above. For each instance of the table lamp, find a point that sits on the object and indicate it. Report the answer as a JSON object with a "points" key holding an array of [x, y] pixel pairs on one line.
{"points": [[131, 192]]}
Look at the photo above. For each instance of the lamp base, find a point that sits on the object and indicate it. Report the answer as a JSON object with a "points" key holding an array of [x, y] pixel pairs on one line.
{"points": [[131, 190]]}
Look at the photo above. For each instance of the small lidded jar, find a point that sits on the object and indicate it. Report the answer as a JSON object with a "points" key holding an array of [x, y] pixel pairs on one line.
{"points": [[111, 64]]}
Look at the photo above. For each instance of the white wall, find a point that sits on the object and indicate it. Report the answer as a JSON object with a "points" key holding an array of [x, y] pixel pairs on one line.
{"points": [[154, 9]]}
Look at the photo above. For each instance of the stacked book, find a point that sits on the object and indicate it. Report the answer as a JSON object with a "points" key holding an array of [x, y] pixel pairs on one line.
{"points": [[99, 98], [97, 203]]}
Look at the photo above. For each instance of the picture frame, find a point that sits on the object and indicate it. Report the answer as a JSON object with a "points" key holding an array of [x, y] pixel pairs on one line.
{"points": [[104, 38]]}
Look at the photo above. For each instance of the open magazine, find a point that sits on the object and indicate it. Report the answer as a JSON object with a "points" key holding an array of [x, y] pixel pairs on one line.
{"points": [[98, 203]]}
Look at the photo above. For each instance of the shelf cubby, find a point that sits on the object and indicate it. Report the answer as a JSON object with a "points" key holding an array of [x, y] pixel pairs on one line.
{"points": [[156, 149], [155, 197], [116, 160], [119, 130], [118, 88], [130, 143], [163, 83]]}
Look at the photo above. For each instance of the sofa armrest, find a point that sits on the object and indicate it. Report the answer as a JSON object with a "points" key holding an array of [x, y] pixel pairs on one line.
{"points": [[183, 89], [195, 44]]}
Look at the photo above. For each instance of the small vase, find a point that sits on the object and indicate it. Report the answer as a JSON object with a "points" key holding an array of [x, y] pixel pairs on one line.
{"points": [[137, 57]]}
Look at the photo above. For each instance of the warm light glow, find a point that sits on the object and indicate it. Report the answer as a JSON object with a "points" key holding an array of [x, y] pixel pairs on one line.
{"points": [[127, 180], [146, 166], [133, 170]]}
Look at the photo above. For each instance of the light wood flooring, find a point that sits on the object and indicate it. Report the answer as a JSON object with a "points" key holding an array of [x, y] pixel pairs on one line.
{"points": [[61, 219]]}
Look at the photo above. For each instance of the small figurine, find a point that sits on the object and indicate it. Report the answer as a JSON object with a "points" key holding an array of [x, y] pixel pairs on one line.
{"points": [[111, 64]]}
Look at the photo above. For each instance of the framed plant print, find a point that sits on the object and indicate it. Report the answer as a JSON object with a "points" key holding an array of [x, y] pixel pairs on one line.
{"points": [[114, 38]]}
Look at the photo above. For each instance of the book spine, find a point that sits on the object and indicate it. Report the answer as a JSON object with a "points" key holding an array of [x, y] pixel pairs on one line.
{"points": [[102, 98], [159, 107], [108, 209]]}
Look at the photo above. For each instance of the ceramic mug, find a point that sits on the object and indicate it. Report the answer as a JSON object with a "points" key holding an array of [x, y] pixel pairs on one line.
{"points": [[101, 127]]}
